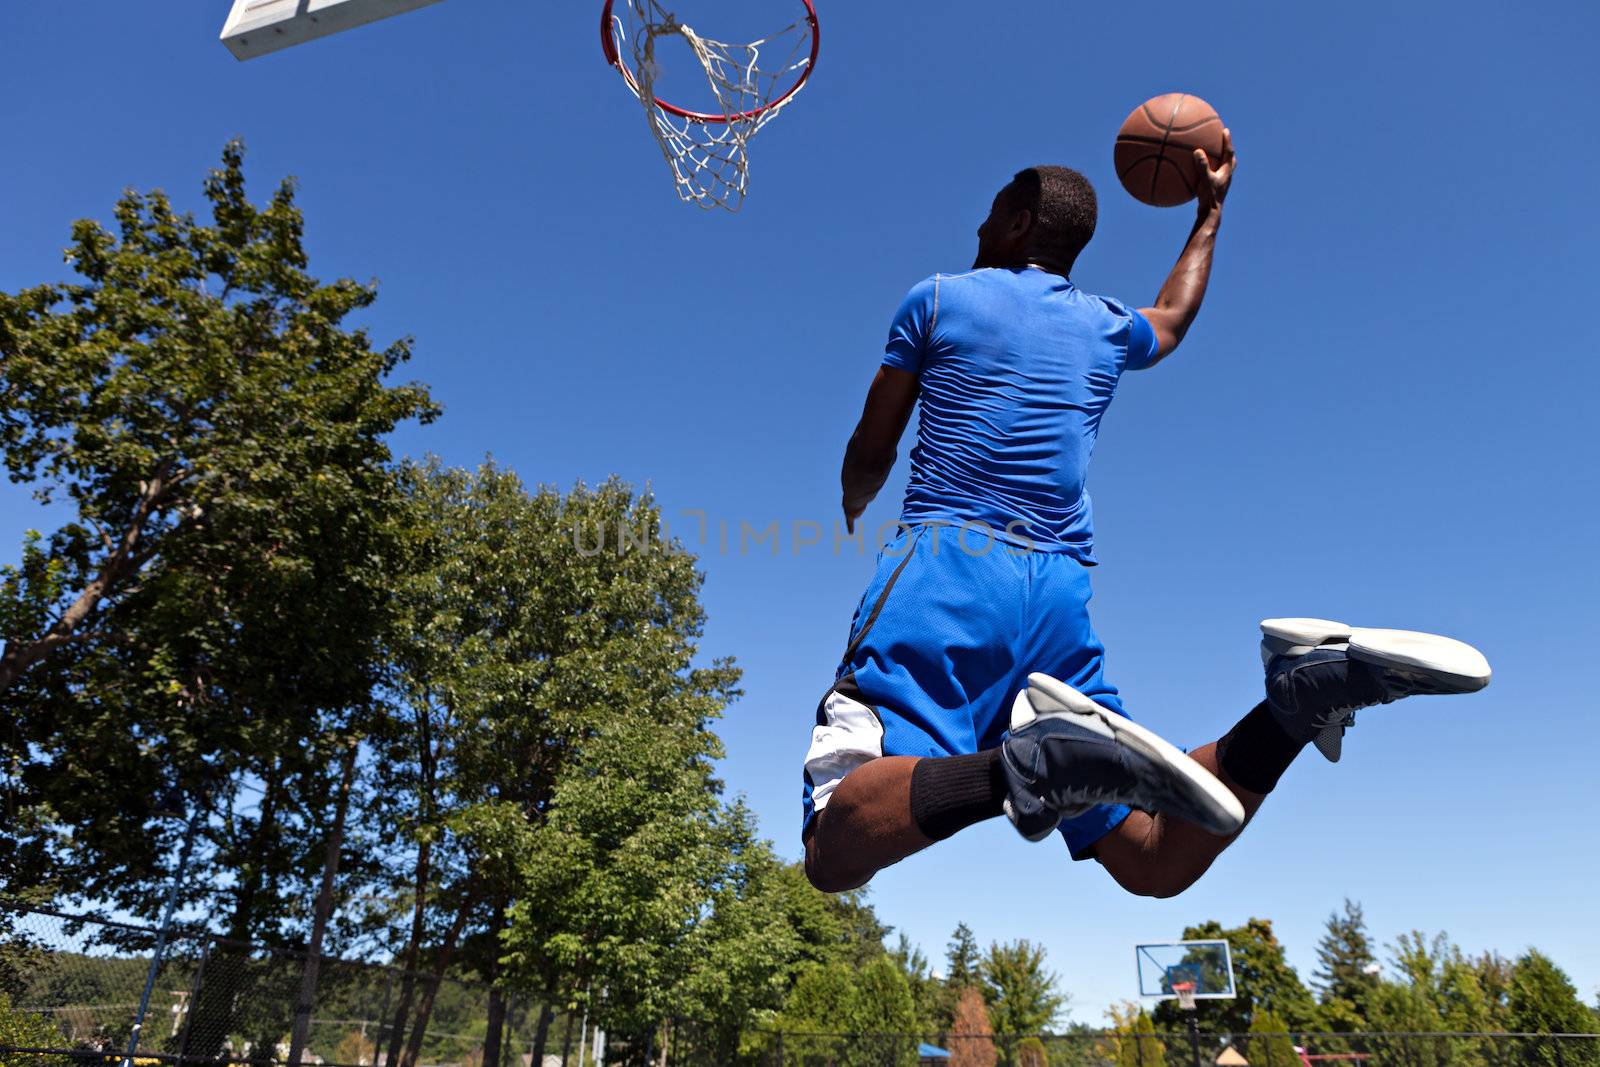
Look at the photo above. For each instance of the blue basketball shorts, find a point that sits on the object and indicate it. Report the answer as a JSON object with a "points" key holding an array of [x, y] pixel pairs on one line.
{"points": [[941, 643]]}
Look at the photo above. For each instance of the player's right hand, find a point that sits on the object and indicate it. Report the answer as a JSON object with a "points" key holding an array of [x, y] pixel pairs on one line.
{"points": [[1214, 187]]}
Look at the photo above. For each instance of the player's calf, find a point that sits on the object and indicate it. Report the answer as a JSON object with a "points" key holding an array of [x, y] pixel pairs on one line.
{"points": [[866, 826]]}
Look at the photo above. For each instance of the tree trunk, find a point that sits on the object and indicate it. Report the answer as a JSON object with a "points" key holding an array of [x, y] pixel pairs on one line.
{"points": [[228, 974], [408, 980], [430, 991], [408, 977], [541, 1035], [319, 924], [566, 1041], [497, 1001], [496, 1024], [496, 1011]]}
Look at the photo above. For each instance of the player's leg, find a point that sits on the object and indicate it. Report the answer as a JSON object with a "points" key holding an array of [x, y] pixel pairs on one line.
{"points": [[1156, 855], [894, 763], [1319, 674], [894, 806]]}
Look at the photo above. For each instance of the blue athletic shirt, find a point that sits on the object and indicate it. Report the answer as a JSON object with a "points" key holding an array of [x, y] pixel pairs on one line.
{"points": [[1016, 369]]}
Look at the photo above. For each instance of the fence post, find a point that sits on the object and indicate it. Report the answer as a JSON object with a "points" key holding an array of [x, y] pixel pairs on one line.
{"points": [[161, 935]]}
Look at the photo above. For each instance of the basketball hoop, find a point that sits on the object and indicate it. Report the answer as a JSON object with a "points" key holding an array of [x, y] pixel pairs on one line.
{"points": [[706, 149], [1185, 991]]}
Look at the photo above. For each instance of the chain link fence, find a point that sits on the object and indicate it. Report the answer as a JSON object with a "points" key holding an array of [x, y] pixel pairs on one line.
{"points": [[1109, 1049], [70, 988]]}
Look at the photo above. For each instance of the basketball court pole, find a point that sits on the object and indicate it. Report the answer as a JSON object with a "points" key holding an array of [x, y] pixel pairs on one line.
{"points": [[1186, 971], [1187, 1004], [161, 936]]}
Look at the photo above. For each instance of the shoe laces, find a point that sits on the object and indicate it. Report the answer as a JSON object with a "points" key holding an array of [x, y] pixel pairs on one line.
{"points": [[1343, 717]]}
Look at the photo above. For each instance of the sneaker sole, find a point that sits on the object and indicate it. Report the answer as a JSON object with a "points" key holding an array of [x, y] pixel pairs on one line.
{"points": [[1208, 794], [1456, 665]]}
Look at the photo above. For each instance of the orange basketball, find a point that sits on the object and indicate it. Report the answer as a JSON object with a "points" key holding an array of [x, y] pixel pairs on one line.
{"points": [[1155, 148]]}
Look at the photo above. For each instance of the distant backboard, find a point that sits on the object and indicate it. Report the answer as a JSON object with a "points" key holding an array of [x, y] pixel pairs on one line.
{"points": [[256, 27], [1208, 964]]}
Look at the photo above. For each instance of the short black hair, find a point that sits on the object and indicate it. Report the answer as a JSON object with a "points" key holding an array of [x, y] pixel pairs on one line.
{"points": [[1063, 205]]}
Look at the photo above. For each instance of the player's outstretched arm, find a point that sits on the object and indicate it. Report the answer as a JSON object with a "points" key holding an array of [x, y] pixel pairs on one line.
{"points": [[870, 456], [1179, 300]]}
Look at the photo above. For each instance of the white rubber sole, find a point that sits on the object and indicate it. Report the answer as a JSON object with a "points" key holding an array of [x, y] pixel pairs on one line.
{"points": [[1046, 695], [1456, 665]]}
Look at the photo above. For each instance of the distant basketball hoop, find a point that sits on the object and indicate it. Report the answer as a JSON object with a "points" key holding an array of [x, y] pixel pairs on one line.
{"points": [[707, 149], [1185, 992]]}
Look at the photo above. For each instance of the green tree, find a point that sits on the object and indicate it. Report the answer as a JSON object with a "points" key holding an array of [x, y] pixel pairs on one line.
{"points": [[205, 628], [1132, 1041], [927, 992], [743, 957], [1020, 992], [21, 1029], [831, 926], [557, 749], [850, 1017], [1346, 972], [1263, 980], [1270, 1043], [1412, 1003], [1543, 1000], [962, 960]]}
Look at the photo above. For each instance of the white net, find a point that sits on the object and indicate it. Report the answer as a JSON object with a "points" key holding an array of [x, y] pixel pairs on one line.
{"points": [[710, 166]]}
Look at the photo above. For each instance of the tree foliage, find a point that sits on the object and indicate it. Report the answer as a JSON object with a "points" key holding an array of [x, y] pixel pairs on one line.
{"points": [[1133, 1041], [1020, 992], [1346, 973], [1270, 1044], [851, 1017], [962, 959], [1541, 999], [22, 1029], [971, 1042], [208, 616]]}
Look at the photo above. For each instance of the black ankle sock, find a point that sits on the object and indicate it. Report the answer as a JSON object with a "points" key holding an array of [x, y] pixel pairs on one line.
{"points": [[1256, 752], [950, 793]]}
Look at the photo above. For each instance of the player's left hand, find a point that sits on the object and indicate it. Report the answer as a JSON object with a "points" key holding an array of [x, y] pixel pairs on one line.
{"points": [[1214, 185], [852, 512]]}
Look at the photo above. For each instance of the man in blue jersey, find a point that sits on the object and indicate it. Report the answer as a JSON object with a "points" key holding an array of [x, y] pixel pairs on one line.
{"points": [[972, 682]]}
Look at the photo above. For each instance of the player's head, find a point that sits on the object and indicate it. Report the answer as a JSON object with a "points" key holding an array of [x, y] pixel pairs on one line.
{"points": [[1044, 216]]}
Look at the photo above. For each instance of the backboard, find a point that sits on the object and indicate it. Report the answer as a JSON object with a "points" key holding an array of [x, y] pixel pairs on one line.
{"points": [[256, 27], [1206, 963]]}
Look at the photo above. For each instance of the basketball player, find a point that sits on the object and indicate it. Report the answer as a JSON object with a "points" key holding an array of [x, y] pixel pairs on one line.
{"points": [[980, 605]]}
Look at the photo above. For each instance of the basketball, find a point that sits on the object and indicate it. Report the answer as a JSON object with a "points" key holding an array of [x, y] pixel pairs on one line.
{"points": [[1155, 148]]}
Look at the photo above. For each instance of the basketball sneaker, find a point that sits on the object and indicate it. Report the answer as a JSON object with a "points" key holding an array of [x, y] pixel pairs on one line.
{"points": [[1320, 673], [1066, 753]]}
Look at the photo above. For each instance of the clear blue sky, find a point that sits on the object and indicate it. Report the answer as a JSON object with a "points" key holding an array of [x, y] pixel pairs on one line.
{"points": [[1384, 414]]}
